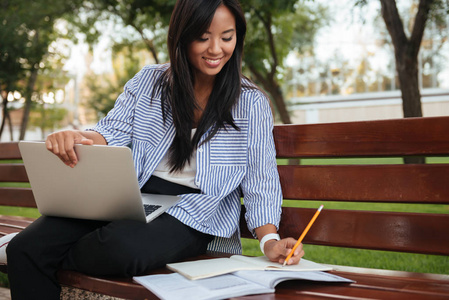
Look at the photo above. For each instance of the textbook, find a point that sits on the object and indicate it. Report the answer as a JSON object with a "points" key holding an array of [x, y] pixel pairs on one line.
{"points": [[175, 286], [212, 267]]}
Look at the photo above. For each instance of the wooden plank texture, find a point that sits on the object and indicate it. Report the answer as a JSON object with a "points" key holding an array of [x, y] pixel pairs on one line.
{"points": [[374, 183], [9, 150], [400, 137], [391, 231], [11, 196], [13, 173], [405, 285]]}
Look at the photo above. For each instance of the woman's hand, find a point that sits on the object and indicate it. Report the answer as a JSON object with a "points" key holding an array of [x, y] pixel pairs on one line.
{"points": [[62, 144], [277, 251]]}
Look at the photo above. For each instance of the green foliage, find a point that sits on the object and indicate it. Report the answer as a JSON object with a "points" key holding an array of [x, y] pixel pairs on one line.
{"points": [[27, 31], [104, 88], [148, 20], [47, 119], [285, 25]]}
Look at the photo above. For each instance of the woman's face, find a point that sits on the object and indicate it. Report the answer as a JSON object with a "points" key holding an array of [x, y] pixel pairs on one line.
{"points": [[214, 48]]}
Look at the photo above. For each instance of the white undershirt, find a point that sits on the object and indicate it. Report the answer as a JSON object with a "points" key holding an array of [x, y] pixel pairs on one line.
{"points": [[184, 177]]}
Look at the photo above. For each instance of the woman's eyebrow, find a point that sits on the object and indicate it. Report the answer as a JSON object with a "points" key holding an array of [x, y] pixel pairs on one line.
{"points": [[229, 30], [224, 32]]}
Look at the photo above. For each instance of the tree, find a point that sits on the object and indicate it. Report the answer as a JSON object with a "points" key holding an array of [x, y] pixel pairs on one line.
{"points": [[148, 19], [406, 48], [33, 23], [12, 48], [275, 28], [105, 88]]}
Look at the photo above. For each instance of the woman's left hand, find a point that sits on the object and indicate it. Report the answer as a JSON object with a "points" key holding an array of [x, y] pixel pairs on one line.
{"points": [[277, 251]]}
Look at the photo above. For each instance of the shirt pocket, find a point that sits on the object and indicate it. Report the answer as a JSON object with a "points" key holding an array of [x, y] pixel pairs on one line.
{"points": [[229, 146]]}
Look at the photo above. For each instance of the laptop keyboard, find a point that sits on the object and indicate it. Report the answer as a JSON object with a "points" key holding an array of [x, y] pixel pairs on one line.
{"points": [[149, 208]]}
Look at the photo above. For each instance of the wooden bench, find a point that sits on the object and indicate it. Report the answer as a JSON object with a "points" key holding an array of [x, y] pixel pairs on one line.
{"points": [[424, 233]]}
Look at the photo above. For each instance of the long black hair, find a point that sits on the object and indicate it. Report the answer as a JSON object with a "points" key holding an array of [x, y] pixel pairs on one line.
{"points": [[189, 21]]}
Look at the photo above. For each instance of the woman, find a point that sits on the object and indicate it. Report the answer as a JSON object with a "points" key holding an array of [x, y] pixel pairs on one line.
{"points": [[197, 128]]}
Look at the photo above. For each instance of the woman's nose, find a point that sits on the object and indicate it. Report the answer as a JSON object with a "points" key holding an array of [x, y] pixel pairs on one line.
{"points": [[214, 46]]}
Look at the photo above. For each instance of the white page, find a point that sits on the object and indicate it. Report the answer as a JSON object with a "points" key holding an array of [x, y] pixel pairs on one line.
{"points": [[264, 263], [272, 278], [217, 266], [174, 287], [209, 267]]}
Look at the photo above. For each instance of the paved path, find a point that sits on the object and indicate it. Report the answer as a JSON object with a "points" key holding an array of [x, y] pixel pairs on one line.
{"points": [[4, 294]]}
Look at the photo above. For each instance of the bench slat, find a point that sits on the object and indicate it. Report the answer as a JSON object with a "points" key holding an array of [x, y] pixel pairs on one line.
{"points": [[11, 224], [400, 137], [9, 151], [356, 291], [11, 196], [374, 183], [117, 287], [13, 173], [391, 285], [391, 231]]}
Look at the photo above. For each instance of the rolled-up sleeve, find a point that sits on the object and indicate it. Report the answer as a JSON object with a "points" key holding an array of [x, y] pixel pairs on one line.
{"points": [[261, 186]]}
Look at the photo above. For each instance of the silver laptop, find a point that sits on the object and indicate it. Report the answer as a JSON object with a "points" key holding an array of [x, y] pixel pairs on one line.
{"points": [[102, 186]]}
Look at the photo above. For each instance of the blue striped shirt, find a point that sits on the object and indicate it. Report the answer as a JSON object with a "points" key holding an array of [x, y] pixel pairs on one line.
{"points": [[242, 158]]}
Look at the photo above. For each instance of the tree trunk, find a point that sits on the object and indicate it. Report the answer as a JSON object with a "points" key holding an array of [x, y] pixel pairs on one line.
{"points": [[278, 97], [6, 116], [406, 52], [4, 112], [27, 107], [407, 68], [273, 88]]}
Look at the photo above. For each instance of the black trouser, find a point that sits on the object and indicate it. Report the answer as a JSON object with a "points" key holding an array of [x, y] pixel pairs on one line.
{"points": [[119, 248]]}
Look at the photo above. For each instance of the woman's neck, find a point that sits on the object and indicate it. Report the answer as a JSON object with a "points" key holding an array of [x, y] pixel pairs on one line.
{"points": [[202, 91]]}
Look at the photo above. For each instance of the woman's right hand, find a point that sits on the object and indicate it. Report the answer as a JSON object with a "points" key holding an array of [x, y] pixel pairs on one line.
{"points": [[62, 144]]}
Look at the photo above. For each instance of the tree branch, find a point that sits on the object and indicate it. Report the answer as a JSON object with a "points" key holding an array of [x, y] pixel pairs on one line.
{"points": [[394, 23], [420, 24], [259, 77], [148, 42], [267, 24]]}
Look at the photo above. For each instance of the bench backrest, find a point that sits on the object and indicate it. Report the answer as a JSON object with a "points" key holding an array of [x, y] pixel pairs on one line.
{"points": [[13, 171], [385, 183]]}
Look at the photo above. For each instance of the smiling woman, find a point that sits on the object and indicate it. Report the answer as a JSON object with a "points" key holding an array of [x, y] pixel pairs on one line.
{"points": [[209, 53], [196, 118]]}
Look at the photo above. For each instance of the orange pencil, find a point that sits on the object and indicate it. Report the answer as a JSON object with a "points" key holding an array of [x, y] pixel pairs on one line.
{"points": [[303, 235]]}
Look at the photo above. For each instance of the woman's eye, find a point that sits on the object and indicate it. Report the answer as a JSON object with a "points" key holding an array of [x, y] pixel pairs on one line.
{"points": [[202, 39], [227, 39]]}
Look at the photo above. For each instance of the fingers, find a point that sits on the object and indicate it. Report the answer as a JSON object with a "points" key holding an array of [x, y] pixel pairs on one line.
{"points": [[280, 250], [296, 257], [62, 145]]}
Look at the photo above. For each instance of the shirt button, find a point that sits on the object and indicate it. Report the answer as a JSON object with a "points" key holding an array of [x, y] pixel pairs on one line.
{"points": [[200, 150]]}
